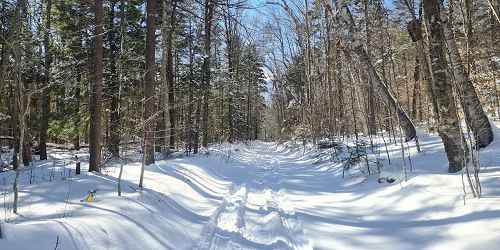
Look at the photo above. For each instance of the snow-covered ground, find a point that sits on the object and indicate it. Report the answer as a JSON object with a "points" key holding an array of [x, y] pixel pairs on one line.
{"points": [[257, 196]]}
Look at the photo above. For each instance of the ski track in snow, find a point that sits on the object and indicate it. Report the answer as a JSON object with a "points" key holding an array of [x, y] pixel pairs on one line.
{"points": [[259, 223]]}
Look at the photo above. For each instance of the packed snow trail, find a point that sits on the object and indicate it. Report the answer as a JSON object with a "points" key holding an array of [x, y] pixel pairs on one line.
{"points": [[239, 224], [252, 215]]}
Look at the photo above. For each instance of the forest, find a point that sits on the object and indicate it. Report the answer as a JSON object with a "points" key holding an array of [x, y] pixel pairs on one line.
{"points": [[249, 124]]}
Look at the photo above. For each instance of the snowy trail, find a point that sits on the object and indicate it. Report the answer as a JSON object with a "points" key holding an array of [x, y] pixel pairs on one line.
{"points": [[253, 215]]}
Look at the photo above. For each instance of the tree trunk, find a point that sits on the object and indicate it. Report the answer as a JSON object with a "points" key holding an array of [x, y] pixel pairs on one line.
{"points": [[44, 120], [340, 89], [96, 95], [416, 102], [474, 113], [149, 83], [20, 100], [424, 46], [208, 18], [189, 123], [114, 123], [168, 80], [196, 133], [231, 65], [162, 122], [449, 125], [371, 123], [79, 78], [76, 139], [249, 104], [14, 118], [170, 76]]}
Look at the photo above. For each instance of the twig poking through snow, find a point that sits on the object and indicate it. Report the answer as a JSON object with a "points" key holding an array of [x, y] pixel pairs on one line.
{"points": [[57, 243]]}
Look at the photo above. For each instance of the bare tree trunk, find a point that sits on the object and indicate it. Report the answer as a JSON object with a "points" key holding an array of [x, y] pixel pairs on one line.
{"points": [[76, 139], [449, 125], [371, 123], [189, 125], [14, 119], [424, 46], [208, 19], [474, 113], [114, 123], [231, 65], [20, 100], [120, 179], [170, 74], [249, 104], [340, 90], [468, 4], [201, 91], [149, 84], [96, 95], [44, 120], [162, 122], [196, 133], [416, 102], [79, 78]]}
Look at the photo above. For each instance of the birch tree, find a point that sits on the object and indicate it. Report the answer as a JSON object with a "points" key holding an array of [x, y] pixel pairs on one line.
{"points": [[448, 123]]}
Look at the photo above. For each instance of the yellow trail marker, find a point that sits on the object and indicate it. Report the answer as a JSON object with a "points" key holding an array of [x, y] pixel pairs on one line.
{"points": [[90, 197]]}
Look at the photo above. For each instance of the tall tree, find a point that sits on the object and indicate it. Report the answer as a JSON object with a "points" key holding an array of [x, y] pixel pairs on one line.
{"points": [[371, 124], [449, 124], [96, 95], [474, 113], [114, 119], [149, 83], [44, 123], [189, 133], [167, 71], [171, 74], [209, 8]]}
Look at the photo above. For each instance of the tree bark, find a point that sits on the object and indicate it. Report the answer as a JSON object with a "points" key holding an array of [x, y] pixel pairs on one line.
{"points": [[162, 122], [449, 124], [170, 75], [44, 120], [96, 95], [79, 78], [20, 100], [114, 123], [474, 113], [371, 123], [76, 139], [149, 83], [231, 65], [168, 79], [208, 19], [190, 105]]}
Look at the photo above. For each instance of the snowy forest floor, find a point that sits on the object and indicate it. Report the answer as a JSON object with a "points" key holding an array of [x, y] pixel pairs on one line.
{"points": [[257, 196]]}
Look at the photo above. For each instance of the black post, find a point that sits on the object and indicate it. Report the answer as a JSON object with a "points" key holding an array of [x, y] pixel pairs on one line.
{"points": [[77, 172]]}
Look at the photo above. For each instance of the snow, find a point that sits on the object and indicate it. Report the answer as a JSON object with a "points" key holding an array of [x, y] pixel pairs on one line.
{"points": [[257, 196]]}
